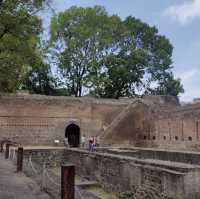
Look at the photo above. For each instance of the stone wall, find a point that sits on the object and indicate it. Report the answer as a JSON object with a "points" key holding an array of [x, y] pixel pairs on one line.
{"points": [[148, 122], [179, 128], [134, 123], [53, 157], [39, 120], [121, 173], [151, 125], [146, 179], [155, 154]]}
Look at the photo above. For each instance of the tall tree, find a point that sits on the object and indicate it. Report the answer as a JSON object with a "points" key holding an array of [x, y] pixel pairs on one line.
{"points": [[109, 56], [39, 78], [167, 86], [19, 32], [85, 33], [141, 57]]}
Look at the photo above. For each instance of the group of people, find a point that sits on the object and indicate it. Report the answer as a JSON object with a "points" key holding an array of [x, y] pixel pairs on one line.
{"points": [[86, 142], [93, 142]]}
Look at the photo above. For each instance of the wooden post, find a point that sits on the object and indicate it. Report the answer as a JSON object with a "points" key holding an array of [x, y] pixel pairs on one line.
{"points": [[182, 129], [7, 151], [20, 159], [1, 150], [67, 181], [197, 129]]}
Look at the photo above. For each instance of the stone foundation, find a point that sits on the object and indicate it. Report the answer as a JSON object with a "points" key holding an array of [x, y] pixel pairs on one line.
{"points": [[123, 170], [152, 179]]}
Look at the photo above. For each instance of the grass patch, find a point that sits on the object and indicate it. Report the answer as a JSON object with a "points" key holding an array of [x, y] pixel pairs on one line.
{"points": [[99, 192]]}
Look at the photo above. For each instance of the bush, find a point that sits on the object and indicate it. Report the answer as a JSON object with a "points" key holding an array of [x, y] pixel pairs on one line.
{"points": [[127, 195]]}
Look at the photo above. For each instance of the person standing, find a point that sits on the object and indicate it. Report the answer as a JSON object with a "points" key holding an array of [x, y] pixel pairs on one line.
{"points": [[83, 138], [93, 144], [66, 142], [98, 141], [90, 143]]}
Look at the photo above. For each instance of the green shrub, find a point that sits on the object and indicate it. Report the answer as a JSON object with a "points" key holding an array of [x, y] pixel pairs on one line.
{"points": [[127, 195]]}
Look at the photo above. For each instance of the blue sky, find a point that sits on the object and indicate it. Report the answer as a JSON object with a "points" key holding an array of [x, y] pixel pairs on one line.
{"points": [[178, 20]]}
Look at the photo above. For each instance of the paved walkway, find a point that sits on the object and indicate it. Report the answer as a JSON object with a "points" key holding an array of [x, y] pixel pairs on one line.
{"points": [[17, 185]]}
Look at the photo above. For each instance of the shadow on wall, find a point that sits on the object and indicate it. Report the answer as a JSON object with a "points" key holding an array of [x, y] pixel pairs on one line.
{"points": [[136, 121]]}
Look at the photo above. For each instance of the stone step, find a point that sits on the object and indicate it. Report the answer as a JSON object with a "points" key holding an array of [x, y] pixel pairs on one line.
{"points": [[86, 184]]}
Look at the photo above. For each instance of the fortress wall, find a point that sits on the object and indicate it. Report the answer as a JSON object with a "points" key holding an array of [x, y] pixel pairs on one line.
{"points": [[183, 123], [40, 120], [152, 125], [178, 128]]}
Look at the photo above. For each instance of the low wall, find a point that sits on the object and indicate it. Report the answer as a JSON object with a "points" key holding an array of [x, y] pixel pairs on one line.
{"points": [[157, 154], [43, 166], [52, 156], [146, 179]]}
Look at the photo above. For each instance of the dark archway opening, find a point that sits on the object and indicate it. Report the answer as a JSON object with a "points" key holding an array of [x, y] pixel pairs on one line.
{"points": [[72, 133]]}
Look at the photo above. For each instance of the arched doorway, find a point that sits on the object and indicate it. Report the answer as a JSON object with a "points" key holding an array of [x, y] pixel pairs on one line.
{"points": [[72, 133]]}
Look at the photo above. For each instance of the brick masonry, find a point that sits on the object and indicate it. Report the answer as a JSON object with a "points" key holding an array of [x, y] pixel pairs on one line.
{"points": [[152, 179], [39, 120], [144, 178], [149, 122]]}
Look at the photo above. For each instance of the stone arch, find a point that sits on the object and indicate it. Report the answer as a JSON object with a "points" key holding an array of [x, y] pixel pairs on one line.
{"points": [[72, 133]]}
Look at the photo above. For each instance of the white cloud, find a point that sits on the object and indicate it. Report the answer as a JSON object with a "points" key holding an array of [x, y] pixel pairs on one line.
{"points": [[190, 81], [185, 12], [188, 75]]}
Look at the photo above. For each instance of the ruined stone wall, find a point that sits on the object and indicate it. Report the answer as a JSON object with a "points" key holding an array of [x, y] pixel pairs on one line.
{"points": [[39, 120], [178, 128], [155, 154], [146, 179], [133, 124], [53, 157], [152, 179], [148, 122]]}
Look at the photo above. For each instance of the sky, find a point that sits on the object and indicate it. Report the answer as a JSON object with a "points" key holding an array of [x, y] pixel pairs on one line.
{"points": [[178, 20]]}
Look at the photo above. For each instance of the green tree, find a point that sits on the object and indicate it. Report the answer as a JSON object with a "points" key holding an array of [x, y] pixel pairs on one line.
{"points": [[109, 56], [141, 57], [167, 86], [85, 33], [39, 78], [19, 33]]}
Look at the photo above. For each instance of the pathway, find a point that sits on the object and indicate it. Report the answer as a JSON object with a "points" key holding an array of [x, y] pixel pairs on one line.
{"points": [[16, 185]]}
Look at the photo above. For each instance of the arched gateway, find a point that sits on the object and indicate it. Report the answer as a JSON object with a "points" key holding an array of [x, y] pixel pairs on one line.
{"points": [[72, 133]]}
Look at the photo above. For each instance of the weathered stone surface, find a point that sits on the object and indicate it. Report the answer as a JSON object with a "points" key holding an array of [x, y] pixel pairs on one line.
{"points": [[17, 186], [149, 122], [152, 179], [146, 178]]}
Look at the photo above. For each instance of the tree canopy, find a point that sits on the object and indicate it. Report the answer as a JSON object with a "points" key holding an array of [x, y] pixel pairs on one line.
{"points": [[111, 57], [94, 53], [19, 33]]}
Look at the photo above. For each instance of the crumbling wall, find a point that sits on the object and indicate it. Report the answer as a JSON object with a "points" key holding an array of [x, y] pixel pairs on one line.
{"points": [[145, 179], [179, 128]]}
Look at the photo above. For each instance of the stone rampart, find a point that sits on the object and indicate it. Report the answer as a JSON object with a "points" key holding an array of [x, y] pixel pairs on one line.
{"points": [[154, 121], [39, 120]]}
